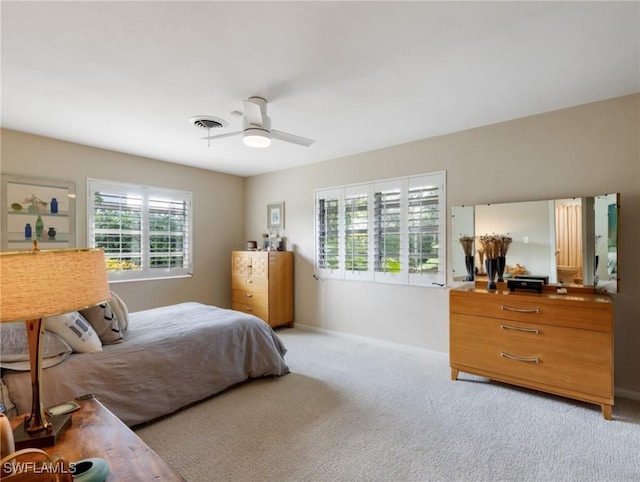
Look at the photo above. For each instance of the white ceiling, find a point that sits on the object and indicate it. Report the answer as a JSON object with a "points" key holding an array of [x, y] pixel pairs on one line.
{"points": [[354, 76]]}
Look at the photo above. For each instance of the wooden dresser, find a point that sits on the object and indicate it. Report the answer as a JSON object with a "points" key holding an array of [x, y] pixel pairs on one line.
{"points": [[262, 284], [561, 344]]}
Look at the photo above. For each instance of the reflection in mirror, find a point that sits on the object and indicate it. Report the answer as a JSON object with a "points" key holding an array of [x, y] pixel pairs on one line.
{"points": [[606, 242], [462, 226], [571, 241]]}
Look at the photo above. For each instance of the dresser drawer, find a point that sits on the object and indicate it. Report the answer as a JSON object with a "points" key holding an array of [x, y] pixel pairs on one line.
{"points": [[261, 312], [543, 310], [572, 359], [254, 298], [249, 283]]}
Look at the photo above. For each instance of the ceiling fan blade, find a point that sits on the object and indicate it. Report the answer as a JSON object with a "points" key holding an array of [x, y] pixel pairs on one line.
{"points": [[220, 136], [284, 136], [253, 111]]}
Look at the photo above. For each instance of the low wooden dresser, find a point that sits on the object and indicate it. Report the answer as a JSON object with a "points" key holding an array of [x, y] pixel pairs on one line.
{"points": [[557, 343], [262, 285]]}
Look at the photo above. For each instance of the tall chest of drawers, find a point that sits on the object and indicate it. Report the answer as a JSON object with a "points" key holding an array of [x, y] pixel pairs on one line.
{"points": [[262, 285], [561, 344]]}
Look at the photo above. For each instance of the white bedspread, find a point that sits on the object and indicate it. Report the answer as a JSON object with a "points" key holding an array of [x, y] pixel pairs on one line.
{"points": [[171, 357]]}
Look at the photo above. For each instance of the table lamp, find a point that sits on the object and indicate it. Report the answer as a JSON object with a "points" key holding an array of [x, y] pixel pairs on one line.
{"points": [[34, 285]]}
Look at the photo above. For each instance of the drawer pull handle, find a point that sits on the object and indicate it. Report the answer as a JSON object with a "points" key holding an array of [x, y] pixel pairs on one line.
{"points": [[248, 281], [520, 358], [249, 295], [248, 308], [517, 328], [520, 310]]}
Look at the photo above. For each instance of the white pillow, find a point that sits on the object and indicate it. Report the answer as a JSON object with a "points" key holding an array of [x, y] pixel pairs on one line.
{"points": [[120, 310], [76, 331], [14, 347]]}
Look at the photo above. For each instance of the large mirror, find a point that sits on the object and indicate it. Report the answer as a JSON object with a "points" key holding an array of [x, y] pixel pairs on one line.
{"points": [[572, 241]]}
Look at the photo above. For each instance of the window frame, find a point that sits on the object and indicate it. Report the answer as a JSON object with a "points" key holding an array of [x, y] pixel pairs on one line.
{"points": [[146, 193], [434, 181]]}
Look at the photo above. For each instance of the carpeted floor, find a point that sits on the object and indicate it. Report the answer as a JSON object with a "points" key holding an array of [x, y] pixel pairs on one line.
{"points": [[354, 410]]}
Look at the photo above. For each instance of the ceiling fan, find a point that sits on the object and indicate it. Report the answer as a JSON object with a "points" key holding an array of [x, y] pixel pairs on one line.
{"points": [[256, 127]]}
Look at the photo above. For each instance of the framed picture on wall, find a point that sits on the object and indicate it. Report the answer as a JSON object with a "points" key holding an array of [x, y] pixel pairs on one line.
{"points": [[275, 215], [41, 210]]}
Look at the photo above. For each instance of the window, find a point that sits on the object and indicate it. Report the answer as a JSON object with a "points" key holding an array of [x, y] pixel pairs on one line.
{"points": [[145, 231], [356, 232], [328, 232], [387, 231]]}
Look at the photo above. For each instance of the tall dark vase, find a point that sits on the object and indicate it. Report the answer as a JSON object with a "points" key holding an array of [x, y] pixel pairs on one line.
{"points": [[500, 264], [469, 263], [491, 265]]}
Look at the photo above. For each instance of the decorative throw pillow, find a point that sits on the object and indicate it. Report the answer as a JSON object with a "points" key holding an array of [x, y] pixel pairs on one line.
{"points": [[14, 347], [105, 323], [76, 331], [120, 310]]}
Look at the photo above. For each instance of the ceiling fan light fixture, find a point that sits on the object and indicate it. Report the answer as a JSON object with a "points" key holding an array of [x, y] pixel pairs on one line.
{"points": [[254, 137]]}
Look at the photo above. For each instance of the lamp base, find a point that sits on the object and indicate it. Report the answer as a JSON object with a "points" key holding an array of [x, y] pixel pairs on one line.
{"points": [[44, 438]]}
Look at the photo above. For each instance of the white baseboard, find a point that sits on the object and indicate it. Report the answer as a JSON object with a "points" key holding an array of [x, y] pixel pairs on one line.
{"points": [[619, 392], [373, 341]]}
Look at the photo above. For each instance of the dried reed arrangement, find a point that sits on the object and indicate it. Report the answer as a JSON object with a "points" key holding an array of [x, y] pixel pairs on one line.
{"points": [[503, 242], [467, 245], [489, 245], [495, 245]]}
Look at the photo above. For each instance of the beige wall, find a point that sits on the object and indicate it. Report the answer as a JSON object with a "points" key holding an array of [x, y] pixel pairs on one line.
{"points": [[586, 150], [218, 210]]}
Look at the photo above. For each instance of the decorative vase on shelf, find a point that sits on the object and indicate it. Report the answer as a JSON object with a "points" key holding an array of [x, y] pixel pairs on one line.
{"points": [[39, 227], [54, 205], [27, 231], [500, 265], [491, 265], [469, 262], [51, 233]]}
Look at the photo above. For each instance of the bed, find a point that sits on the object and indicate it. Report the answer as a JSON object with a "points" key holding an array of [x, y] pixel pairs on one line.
{"points": [[170, 357]]}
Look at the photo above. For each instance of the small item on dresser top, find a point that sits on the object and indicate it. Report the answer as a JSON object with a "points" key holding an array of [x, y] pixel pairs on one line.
{"points": [[66, 407], [562, 291], [252, 245], [524, 284], [533, 277], [90, 470]]}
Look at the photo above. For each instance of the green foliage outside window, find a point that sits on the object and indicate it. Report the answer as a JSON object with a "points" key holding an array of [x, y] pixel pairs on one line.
{"points": [[118, 230]]}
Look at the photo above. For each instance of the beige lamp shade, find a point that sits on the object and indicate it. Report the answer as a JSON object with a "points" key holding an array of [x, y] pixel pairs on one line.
{"points": [[36, 284]]}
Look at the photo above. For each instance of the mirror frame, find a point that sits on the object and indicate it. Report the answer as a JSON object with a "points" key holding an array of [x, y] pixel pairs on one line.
{"points": [[534, 242]]}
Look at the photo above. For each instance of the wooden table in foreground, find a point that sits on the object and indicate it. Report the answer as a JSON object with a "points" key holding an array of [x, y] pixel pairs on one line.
{"points": [[96, 432]]}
